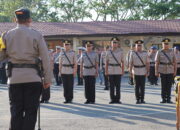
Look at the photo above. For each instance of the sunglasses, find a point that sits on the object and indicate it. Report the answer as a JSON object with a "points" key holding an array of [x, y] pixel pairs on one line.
{"points": [[67, 44], [115, 42], [139, 45], [89, 46]]}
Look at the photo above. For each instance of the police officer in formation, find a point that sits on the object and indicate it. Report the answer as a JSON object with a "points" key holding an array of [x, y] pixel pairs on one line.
{"points": [[56, 65], [132, 48], [177, 55], [89, 71], [115, 69], [102, 67], [139, 69], [166, 68], [80, 80], [68, 69], [24, 46], [152, 77]]}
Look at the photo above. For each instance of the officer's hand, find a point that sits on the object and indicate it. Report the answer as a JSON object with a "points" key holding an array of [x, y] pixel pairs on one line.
{"points": [[174, 74], [81, 75], [106, 73], [74, 74], [147, 74], [131, 74], [96, 74], [157, 74], [46, 85]]}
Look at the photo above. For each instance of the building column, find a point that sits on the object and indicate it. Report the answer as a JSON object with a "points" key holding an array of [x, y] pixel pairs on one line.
{"points": [[76, 43]]}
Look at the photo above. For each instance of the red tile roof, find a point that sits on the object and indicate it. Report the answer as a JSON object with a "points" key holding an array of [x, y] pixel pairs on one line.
{"points": [[103, 28]]}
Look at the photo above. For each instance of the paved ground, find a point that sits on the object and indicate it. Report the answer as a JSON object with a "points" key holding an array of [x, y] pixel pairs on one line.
{"points": [[100, 116]]}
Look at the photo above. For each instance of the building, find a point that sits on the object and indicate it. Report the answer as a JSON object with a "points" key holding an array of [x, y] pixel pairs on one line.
{"points": [[151, 31]]}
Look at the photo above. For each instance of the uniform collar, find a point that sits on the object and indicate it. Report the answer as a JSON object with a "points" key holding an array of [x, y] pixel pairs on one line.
{"points": [[22, 26]]}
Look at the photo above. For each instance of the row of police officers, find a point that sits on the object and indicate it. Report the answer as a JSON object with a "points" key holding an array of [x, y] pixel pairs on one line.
{"points": [[23, 46]]}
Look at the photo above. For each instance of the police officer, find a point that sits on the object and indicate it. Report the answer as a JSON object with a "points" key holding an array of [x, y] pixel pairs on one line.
{"points": [[131, 82], [80, 80], [68, 69], [139, 69], [89, 70], [23, 46], [114, 68], [152, 77], [166, 67], [102, 67], [177, 54], [56, 66]]}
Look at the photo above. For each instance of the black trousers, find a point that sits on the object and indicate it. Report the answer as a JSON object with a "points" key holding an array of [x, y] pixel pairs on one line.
{"points": [[166, 84], [115, 87], [152, 77], [106, 79], [56, 74], [3, 77], [45, 94], [24, 102], [80, 80], [68, 83], [90, 82], [139, 81], [178, 71]]}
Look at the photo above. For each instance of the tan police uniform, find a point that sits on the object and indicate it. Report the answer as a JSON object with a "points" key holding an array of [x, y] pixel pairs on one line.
{"points": [[166, 68], [89, 63], [115, 68], [139, 71], [67, 63], [24, 47]]}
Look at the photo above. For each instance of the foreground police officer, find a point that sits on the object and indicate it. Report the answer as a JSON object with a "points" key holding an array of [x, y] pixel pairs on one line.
{"points": [[139, 68], [102, 67], [89, 70], [166, 67], [56, 65], [115, 69], [152, 77], [23, 46], [68, 68]]}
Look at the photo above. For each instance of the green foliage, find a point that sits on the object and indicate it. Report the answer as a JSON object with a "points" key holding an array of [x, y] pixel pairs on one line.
{"points": [[94, 10]]}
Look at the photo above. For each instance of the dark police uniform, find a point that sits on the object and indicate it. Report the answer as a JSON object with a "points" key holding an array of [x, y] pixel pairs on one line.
{"points": [[67, 63], [140, 66], [80, 80], [152, 77], [23, 46], [56, 67], [114, 66], [166, 66], [89, 62]]}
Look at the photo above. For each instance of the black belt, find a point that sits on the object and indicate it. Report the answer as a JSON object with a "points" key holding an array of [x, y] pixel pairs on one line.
{"points": [[178, 63], [139, 66], [24, 66], [113, 64], [89, 67], [152, 62], [162, 63], [68, 65]]}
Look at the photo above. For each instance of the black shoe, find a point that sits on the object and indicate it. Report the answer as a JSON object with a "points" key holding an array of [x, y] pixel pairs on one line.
{"points": [[156, 84], [111, 102], [143, 102], [138, 102], [65, 102], [118, 102], [46, 101], [87, 102], [169, 101], [106, 88], [163, 101], [42, 101]]}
